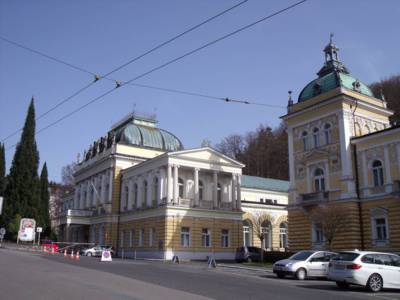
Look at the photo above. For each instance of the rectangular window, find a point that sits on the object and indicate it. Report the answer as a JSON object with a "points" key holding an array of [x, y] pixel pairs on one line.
{"points": [[185, 236], [152, 237], [205, 237], [224, 238], [380, 227], [141, 237]]}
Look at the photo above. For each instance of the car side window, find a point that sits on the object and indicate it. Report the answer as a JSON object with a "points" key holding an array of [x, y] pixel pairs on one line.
{"points": [[382, 259], [319, 257], [395, 261], [368, 259]]}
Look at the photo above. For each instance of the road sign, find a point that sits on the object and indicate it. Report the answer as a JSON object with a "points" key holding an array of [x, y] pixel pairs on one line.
{"points": [[106, 255], [39, 229], [2, 231], [1, 204]]}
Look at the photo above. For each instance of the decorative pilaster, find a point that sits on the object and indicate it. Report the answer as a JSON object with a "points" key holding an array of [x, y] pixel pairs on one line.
{"points": [[176, 186], [239, 193], [196, 187], [233, 192], [169, 184], [364, 173], [149, 193], [130, 190], [388, 174], [215, 189]]}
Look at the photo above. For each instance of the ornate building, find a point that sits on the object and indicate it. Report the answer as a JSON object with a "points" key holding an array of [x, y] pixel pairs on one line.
{"points": [[139, 190], [343, 152]]}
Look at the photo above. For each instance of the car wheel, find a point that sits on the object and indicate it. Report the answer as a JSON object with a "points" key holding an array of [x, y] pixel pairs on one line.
{"points": [[342, 285], [89, 254], [374, 283], [280, 275], [301, 274]]}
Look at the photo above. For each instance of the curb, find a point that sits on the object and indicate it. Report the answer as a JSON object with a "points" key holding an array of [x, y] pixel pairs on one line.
{"points": [[267, 270]]}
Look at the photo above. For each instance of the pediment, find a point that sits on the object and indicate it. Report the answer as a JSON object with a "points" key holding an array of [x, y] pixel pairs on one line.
{"points": [[206, 154]]}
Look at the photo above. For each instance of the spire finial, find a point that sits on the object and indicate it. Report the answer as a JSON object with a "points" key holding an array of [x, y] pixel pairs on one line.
{"points": [[290, 101], [330, 37]]}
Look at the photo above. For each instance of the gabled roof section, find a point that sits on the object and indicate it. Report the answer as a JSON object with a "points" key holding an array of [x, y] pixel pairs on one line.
{"points": [[262, 183], [207, 154]]}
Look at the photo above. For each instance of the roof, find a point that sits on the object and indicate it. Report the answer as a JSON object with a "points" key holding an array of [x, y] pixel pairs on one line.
{"points": [[143, 133], [331, 81], [263, 183]]}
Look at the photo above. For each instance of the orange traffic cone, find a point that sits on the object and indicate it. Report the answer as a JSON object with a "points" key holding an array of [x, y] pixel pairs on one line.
{"points": [[72, 254], [65, 252], [77, 256]]}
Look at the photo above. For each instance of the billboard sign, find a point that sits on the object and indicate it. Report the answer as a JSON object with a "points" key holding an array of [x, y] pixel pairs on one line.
{"points": [[26, 231]]}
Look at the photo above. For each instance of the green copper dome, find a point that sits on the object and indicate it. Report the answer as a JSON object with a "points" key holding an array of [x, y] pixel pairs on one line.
{"points": [[143, 133], [333, 74]]}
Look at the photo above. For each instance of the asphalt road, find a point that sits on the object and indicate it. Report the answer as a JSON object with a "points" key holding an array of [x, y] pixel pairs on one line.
{"points": [[31, 275]]}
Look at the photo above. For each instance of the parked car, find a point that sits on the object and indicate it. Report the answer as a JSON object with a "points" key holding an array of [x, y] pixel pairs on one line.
{"points": [[97, 250], [304, 264], [374, 270], [248, 254], [49, 245]]}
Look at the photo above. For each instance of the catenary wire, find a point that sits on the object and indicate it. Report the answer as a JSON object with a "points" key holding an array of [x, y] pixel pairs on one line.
{"points": [[97, 77], [170, 62]]}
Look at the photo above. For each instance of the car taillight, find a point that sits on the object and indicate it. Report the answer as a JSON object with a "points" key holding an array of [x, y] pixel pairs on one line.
{"points": [[353, 267]]}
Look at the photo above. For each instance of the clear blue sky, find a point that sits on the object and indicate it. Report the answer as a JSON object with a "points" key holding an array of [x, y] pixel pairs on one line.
{"points": [[260, 64]]}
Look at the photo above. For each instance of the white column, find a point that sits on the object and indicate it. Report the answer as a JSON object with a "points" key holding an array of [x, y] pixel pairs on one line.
{"points": [[96, 191], [149, 190], [233, 192], [176, 187], [82, 200], [215, 189], [139, 199], [292, 178], [388, 174], [345, 151], [88, 194], [196, 187], [130, 190], [103, 188], [239, 193], [161, 179], [169, 184], [110, 190], [76, 198]]}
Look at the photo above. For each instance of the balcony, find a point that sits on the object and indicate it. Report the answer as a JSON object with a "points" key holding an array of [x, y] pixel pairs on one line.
{"points": [[314, 198], [78, 213]]}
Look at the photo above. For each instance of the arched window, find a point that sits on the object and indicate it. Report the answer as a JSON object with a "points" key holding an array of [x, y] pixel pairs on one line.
{"points": [[247, 233], [180, 186], [219, 193], [145, 186], [304, 136], [266, 231], [316, 137], [328, 133], [155, 190], [377, 171], [283, 235], [201, 189], [319, 180]]}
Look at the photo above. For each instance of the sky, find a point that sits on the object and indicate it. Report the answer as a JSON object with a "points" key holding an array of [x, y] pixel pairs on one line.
{"points": [[259, 64]]}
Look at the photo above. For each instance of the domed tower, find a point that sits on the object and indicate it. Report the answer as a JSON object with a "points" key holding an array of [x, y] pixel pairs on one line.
{"points": [[330, 110]]}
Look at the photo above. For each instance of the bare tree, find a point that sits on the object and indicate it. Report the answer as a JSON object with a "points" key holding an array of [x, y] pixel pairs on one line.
{"points": [[333, 220], [259, 220], [67, 174]]}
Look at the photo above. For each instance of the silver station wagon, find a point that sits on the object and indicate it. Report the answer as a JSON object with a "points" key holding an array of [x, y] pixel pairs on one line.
{"points": [[304, 264]]}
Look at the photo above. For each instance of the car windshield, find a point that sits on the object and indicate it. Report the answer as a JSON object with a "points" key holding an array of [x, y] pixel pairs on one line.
{"points": [[346, 256], [302, 255]]}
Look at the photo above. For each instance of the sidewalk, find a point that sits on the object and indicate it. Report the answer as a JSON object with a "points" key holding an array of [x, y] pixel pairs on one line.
{"points": [[244, 267]]}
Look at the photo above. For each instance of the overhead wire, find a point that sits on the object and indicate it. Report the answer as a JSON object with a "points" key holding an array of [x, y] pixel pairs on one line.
{"points": [[121, 84], [98, 77]]}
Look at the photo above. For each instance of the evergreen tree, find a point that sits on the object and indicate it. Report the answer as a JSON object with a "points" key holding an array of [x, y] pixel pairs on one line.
{"points": [[44, 201], [2, 170], [22, 194]]}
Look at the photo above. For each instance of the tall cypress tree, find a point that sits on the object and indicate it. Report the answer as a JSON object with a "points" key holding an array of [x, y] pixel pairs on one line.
{"points": [[2, 170], [22, 194], [44, 201]]}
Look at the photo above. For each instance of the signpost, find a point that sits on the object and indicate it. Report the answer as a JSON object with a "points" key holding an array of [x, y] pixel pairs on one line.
{"points": [[106, 255], [26, 231], [1, 204], [39, 230], [2, 233]]}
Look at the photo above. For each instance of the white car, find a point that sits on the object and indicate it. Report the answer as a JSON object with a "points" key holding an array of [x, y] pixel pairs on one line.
{"points": [[374, 270], [304, 264]]}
